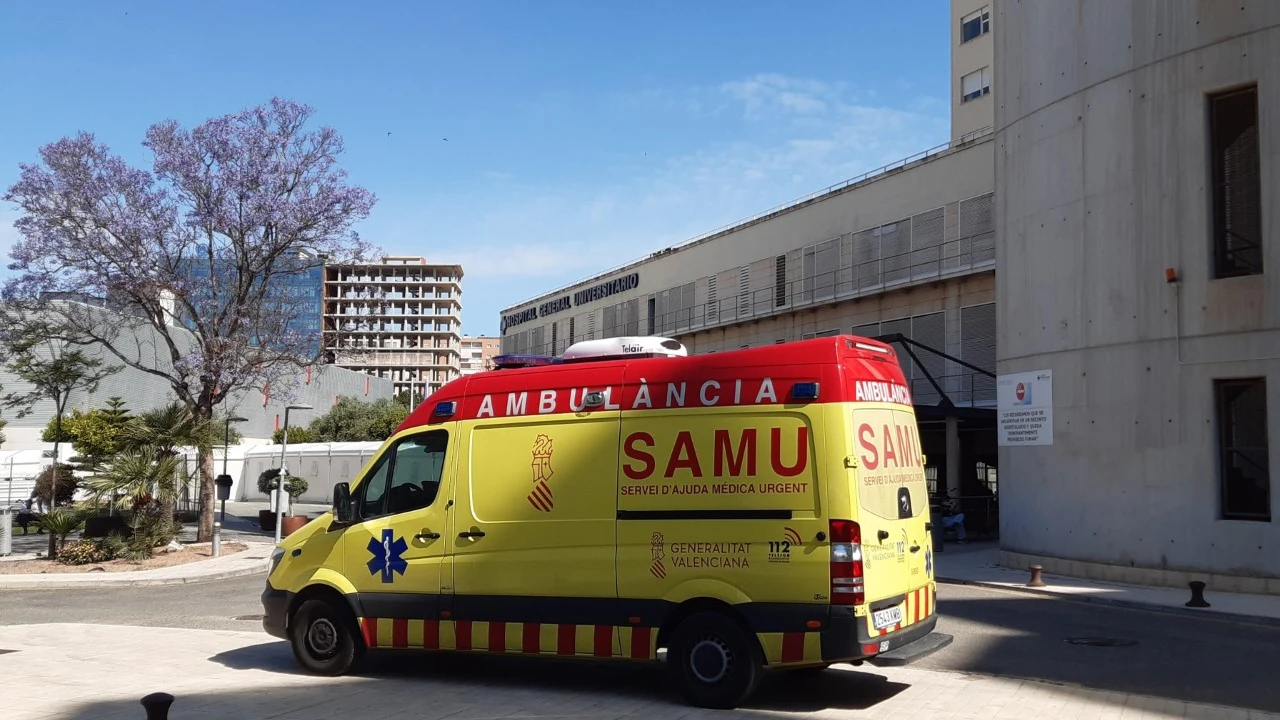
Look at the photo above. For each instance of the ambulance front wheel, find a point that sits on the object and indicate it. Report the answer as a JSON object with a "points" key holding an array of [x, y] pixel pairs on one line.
{"points": [[715, 663], [324, 639]]}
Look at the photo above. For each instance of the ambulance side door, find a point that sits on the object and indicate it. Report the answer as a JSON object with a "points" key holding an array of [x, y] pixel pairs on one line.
{"points": [[535, 519], [394, 551]]}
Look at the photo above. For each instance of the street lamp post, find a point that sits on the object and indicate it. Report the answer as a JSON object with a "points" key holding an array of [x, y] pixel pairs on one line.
{"points": [[284, 468], [226, 455]]}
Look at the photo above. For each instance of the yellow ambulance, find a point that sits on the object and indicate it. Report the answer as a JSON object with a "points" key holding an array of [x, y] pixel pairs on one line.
{"points": [[722, 513]]}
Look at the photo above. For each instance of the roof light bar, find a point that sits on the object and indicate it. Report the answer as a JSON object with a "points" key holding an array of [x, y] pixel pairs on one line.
{"points": [[508, 362]]}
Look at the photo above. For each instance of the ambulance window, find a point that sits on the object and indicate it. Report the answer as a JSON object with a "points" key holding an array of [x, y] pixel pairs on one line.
{"points": [[374, 489], [415, 476]]}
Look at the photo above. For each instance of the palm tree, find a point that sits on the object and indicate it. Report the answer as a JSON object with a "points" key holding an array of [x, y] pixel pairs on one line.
{"points": [[162, 431], [134, 475]]}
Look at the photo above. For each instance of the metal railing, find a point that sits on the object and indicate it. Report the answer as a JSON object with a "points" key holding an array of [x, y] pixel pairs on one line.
{"points": [[955, 258], [868, 176]]}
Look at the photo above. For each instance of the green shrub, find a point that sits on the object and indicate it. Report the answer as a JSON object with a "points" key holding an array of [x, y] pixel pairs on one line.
{"points": [[151, 529], [86, 552], [293, 485]]}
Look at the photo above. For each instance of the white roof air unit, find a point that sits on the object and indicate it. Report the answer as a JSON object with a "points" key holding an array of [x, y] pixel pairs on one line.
{"points": [[624, 347]]}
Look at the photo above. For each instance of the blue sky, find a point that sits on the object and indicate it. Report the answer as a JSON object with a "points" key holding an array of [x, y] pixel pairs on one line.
{"points": [[580, 134]]}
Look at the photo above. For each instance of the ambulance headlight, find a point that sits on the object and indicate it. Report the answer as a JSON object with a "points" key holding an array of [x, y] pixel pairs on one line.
{"points": [[277, 556]]}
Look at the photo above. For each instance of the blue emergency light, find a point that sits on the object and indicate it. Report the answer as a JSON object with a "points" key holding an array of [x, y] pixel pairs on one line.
{"points": [[502, 362], [445, 409], [804, 391]]}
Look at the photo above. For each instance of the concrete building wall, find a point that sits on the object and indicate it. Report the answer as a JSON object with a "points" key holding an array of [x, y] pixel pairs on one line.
{"points": [[1104, 181], [319, 386], [924, 222], [972, 55]]}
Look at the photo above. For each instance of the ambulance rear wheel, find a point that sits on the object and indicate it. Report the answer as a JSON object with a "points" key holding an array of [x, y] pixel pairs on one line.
{"points": [[714, 662], [324, 639]]}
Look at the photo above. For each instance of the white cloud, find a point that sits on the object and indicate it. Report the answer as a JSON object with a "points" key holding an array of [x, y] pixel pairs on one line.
{"points": [[804, 136]]}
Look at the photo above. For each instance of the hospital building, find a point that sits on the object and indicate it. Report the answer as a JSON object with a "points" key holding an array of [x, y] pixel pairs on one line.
{"points": [[1083, 286]]}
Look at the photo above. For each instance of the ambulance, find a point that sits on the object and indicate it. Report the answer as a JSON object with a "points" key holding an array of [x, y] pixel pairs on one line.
{"points": [[725, 514]]}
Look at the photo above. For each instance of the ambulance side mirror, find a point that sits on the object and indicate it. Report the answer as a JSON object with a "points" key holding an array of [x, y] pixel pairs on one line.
{"points": [[343, 509]]}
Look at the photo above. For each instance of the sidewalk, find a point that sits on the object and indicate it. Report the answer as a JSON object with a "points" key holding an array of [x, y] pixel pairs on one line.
{"points": [[975, 564], [100, 672], [250, 561]]}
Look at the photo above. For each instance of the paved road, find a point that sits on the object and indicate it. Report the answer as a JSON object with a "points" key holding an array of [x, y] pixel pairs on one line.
{"points": [[997, 633]]}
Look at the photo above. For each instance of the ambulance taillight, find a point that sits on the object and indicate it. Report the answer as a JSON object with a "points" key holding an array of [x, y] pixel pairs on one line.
{"points": [[847, 582]]}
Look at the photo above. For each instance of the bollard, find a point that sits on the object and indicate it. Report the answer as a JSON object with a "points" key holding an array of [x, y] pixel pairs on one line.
{"points": [[217, 538], [1036, 580], [6, 531], [1197, 595], [157, 705]]}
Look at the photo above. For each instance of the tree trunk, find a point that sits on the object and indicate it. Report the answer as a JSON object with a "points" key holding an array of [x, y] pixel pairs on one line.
{"points": [[204, 532], [53, 477]]}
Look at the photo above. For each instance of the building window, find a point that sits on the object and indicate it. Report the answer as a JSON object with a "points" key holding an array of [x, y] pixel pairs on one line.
{"points": [[1237, 186], [975, 85], [975, 25], [1242, 449]]}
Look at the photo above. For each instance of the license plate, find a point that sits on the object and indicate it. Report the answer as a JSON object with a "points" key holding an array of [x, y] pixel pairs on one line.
{"points": [[888, 617]]}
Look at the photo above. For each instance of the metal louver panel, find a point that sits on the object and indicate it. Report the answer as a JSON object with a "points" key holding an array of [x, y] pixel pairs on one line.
{"points": [[866, 257], [631, 315], [926, 243], [611, 321], [684, 317], [845, 280], [977, 231], [744, 291], [929, 330], [780, 281], [712, 311], [895, 251], [870, 330], [978, 346], [820, 273]]}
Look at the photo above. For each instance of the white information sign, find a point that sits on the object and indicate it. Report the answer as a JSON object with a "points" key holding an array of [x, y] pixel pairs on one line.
{"points": [[1024, 402]]}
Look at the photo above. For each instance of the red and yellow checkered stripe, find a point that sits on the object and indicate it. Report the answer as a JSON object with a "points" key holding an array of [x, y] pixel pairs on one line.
{"points": [[919, 605], [637, 643], [793, 648]]}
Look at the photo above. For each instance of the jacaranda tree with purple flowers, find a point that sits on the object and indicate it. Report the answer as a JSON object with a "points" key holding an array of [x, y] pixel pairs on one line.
{"points": [[191, 252]]}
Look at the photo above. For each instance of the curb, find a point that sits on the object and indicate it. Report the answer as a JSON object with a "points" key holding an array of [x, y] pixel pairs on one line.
{"points": [[1127, 604], [60, 584]]}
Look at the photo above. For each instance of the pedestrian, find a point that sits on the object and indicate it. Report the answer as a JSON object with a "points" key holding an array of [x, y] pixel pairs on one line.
{"points": [[953, 518], [24, 516]]}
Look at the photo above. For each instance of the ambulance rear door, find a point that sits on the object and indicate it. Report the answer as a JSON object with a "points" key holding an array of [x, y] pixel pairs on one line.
{"points": [[890, 494]]}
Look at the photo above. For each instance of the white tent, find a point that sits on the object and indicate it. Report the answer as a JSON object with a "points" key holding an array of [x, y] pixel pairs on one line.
{"points": [[322, 465], [19, 470]]}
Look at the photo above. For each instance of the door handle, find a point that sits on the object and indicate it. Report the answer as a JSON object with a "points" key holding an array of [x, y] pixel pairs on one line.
{"points": [[883, 535], [471, 534], [915, 549], [424, 536]]}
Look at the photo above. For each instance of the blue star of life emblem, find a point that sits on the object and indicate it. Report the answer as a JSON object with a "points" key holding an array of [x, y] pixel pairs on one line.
{"points": [[387, 556], [928, 562]]}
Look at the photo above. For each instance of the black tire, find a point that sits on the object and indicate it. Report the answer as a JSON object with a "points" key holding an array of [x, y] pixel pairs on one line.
{"points": [[713, 662], [324, 638]]}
